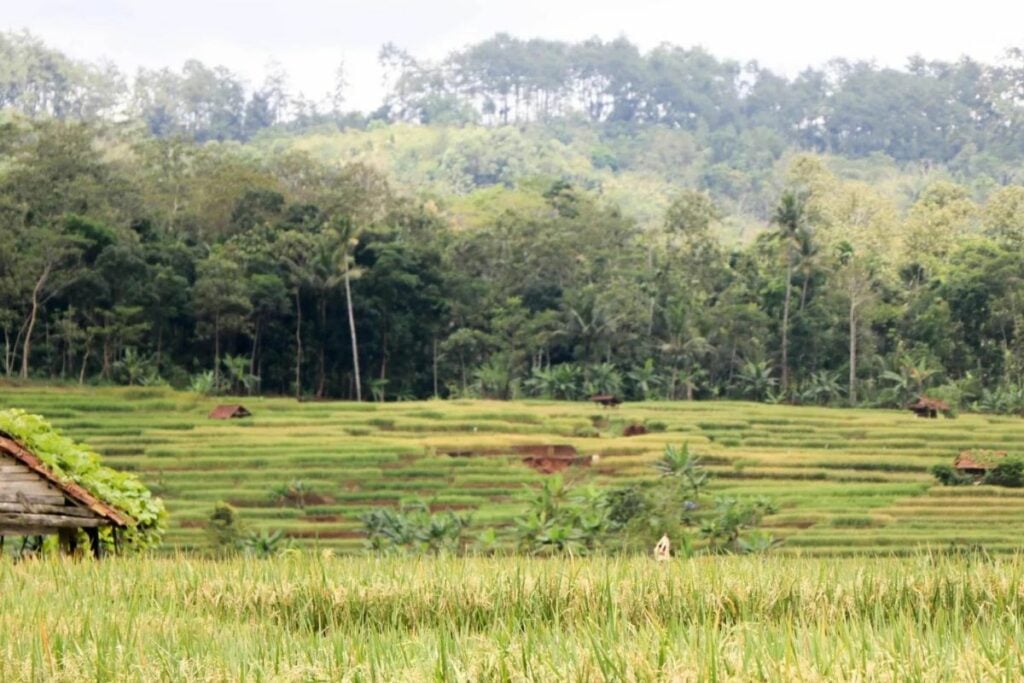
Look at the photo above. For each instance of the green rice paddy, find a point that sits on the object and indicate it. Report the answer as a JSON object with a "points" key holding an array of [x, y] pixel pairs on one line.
{"points": [[846, 481]]}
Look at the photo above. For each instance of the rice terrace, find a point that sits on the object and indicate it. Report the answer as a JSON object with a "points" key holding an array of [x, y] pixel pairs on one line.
{"points": [[846, 481]]}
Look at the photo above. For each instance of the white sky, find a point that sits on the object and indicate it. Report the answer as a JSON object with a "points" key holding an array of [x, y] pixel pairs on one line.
{"points": [[309, 37]]}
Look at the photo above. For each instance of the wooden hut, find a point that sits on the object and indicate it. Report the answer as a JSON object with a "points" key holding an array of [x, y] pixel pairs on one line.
{"points": [[34, 502], [929, 407], [229, 412], [977, 463], [606, 400]]}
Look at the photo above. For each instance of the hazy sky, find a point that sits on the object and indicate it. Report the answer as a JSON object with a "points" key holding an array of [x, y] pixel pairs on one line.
{"points": [[309, 38]]}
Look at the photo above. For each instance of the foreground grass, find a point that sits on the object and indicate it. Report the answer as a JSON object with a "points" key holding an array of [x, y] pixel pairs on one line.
{"points": [[312, 618]]}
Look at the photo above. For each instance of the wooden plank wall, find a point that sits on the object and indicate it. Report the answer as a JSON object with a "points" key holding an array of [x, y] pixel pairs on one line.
{"points": [[31, 505]]}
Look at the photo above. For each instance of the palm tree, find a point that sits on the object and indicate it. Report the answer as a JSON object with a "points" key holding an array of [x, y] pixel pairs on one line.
{"points": [[790, 217], [295, 254], [348, 238]]}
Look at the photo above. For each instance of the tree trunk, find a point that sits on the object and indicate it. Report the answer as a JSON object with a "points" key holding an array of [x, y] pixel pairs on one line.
{"points": [[216, 353], [853, 350], [352, 331], [255, 346], [26, 349], [435, 367], [8, 353], [322, 371], [785, 328], [298, 345], [85, 363]]}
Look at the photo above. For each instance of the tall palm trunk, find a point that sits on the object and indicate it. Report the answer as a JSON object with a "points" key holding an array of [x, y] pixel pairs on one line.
{"points": [[298, 345], [216, 352], [785, 326], [321, 383], [352, 332], [853, 350]]}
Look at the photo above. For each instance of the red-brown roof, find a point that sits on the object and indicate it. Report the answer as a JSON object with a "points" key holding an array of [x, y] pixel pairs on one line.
{"points": [[228, 411], [978, 460], [925, 403], [72, 490]]}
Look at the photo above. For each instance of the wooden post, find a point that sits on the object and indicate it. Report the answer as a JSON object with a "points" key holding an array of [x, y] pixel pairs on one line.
{"points": [[68, 540], [94, 540]]}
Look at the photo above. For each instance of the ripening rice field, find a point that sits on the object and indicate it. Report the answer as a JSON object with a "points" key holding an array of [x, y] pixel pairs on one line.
{"points": [[846, 482], [311, 617]]}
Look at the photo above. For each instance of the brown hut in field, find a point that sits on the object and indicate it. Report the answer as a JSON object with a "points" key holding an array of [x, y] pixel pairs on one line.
{"points": [[977, 463], [929, 407], [229, 412], [34, 502], [606, 400], [635, 429]]}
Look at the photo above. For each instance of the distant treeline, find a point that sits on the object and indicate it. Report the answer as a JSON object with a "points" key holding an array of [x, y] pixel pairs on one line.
{"points": [[133, 259], [932, 111]]}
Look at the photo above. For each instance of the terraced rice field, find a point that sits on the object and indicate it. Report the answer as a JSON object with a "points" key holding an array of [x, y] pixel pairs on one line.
{"points": [[846, 481]]}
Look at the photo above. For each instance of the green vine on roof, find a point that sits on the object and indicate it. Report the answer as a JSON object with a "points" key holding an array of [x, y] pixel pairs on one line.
{"points": [[77, 463]]}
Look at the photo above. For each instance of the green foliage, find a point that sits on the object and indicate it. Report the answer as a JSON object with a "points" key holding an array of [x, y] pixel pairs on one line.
{"points": [[729, 518], [77, 463], [563, 519], [266, 544], [947, 475], [294, 493], [224, 528], [1009, 473], [414, 529]]}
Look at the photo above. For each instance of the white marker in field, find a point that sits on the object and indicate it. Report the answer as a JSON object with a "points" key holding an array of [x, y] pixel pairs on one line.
{"points": [[663, 549]]}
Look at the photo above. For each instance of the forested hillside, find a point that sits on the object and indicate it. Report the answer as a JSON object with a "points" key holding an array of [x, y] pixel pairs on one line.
{"points": [[523, 218]]}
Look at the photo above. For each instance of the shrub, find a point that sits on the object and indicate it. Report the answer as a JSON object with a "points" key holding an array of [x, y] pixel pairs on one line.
{"points": [[412, 528], [948, 476], [656, 426], [224, 527], [1009, 473], [264, 544], [586, 431]]}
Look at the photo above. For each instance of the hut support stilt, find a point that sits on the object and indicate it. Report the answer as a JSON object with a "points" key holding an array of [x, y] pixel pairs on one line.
{"points": [[94, 541]]}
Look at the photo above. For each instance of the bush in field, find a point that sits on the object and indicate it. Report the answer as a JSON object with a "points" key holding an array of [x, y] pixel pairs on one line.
{"points": [[265, 544], [205, 383], [414, 529], [294, 493], [562, 519], [1009, 473], [947, 475], [730, 518], [674, 505], [224, 527]]}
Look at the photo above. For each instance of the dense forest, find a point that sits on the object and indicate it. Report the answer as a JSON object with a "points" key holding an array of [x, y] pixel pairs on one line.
{"points": [[523, 218]]}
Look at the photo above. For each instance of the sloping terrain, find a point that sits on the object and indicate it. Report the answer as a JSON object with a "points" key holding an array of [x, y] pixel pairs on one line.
{"points": [[846, 481]]}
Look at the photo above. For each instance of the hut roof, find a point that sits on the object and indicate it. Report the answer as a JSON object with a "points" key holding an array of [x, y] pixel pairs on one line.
{"points": [[72, 491], [925, 403], [229, 411], [978, 460]]}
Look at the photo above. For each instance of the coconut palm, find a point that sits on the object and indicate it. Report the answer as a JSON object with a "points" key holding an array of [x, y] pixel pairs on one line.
{"points": [[790, 219]]}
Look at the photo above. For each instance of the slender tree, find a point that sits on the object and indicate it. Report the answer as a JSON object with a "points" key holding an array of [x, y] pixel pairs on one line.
{"points": [[789, 219]]}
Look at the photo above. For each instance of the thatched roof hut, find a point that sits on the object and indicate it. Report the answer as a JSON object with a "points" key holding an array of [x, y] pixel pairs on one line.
{"points": [[978, 463], [230, 411], [929, 407], [35, 502]]}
